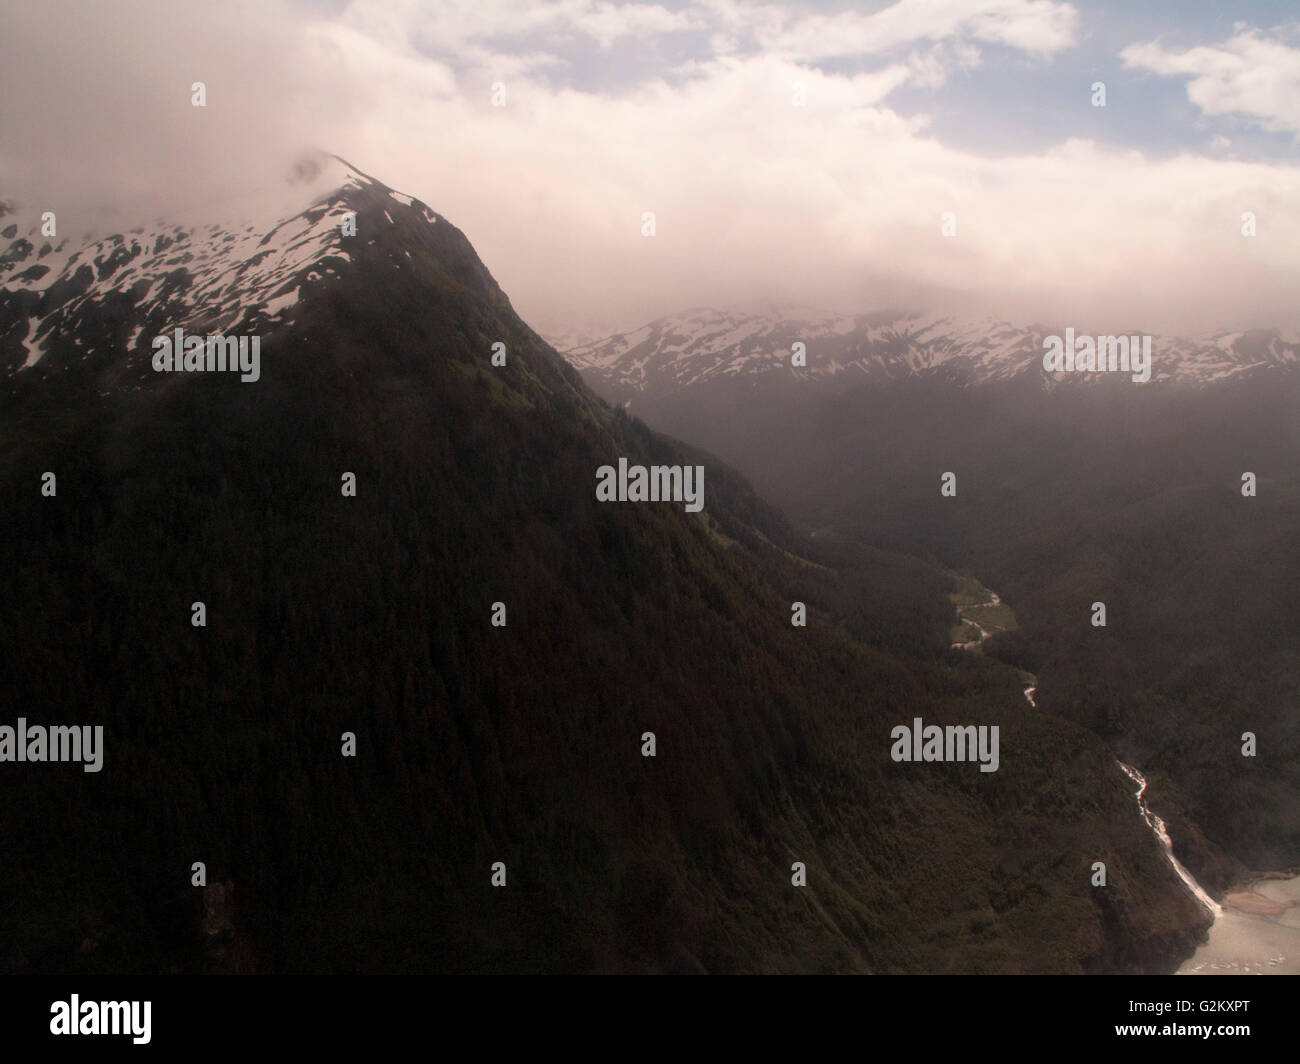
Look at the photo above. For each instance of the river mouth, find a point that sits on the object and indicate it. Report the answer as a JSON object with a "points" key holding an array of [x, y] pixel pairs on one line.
{"points": [[1265, 941]]}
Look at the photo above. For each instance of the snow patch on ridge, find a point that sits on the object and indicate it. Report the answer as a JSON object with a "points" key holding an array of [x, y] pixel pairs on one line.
{"points": [[33, 352], [282, 302]]}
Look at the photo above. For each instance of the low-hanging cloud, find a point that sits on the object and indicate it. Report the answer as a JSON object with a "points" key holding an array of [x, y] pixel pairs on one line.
{"points": [[837, 199]]}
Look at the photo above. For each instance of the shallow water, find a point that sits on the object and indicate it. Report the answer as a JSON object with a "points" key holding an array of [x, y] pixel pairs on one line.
{"points": [[1242, 944]]}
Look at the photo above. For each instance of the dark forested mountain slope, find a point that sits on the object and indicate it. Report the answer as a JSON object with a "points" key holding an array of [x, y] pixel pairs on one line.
{"points": [[477, 744]]}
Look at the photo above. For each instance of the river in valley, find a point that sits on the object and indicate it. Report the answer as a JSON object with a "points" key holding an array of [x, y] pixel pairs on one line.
{"points": [[1256, 931]]}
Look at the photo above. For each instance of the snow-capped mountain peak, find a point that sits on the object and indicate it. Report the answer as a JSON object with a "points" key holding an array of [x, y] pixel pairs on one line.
{"points": [[76, 295]]}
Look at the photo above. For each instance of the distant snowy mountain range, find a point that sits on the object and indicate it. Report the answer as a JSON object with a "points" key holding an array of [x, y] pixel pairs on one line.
{"points": [[704, 344]]}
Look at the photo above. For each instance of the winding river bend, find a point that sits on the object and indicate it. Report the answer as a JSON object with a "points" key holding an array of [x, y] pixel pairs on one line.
{"points": [[1256, 931], [984, 633]]}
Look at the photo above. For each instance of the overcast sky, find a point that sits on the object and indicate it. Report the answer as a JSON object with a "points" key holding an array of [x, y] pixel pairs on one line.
{"points": [[1120, 217]]}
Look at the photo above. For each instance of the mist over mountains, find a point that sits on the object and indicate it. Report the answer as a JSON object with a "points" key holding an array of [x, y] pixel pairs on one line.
{"points": [[1174, 502]]}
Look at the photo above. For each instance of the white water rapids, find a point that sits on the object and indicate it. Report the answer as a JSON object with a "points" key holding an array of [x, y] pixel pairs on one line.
{"points": [[1162, 835]]}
